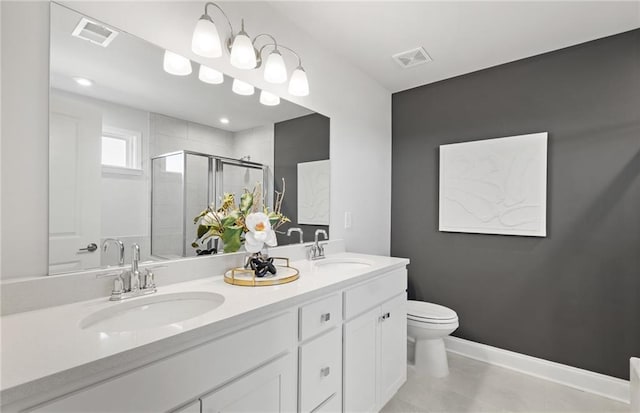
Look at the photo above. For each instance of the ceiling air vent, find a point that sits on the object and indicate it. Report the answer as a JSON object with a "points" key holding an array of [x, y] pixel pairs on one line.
{"points": [[94, 32], [413, 57]]}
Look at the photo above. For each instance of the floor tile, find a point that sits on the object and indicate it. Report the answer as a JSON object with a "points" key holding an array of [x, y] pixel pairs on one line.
{"points": [[475, 386]]}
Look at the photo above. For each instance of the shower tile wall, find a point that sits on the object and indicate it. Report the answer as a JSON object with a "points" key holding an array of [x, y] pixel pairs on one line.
{"points": [[170, 135]]}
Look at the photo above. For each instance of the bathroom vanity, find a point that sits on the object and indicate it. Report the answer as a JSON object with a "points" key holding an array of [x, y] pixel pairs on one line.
{"points": [[334, 340]]}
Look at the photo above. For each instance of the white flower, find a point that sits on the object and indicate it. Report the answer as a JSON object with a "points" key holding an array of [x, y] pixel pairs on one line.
{"points": [[260, 232]]}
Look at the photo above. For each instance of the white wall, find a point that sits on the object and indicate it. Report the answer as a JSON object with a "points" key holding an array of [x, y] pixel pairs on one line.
{"points": [[359, 108], [25, 129]]}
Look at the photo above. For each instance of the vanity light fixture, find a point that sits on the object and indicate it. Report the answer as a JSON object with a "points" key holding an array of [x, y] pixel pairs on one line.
{"points": [[242, 88], [243, 52], [243, 55], [224, 120], [274, 69], [299, 84], [269, 99], [206, 40], [83, 81], [209, 75], [175, 64]]}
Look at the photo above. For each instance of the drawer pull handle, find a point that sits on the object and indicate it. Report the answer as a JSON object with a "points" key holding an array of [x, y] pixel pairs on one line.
{"points": [[325, 371], [384, 317], [325, 317]]}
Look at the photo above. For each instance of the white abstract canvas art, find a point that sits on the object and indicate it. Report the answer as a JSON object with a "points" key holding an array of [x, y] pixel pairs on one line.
{"points": [[314, 181], [495, 186]]}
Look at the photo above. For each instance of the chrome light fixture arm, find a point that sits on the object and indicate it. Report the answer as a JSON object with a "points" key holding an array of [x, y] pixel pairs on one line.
{"points": [[276, 46], [208, 17]]}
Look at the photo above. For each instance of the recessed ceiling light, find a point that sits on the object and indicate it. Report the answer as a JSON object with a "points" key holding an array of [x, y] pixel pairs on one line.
{"points": [[224, 120], [83, 82]]}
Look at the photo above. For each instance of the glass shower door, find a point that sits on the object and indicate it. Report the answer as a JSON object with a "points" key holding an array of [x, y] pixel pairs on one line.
{"points": [[234, 177]]}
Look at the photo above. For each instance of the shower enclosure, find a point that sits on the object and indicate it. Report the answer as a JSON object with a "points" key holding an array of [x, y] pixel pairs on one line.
{"points": [[183, 184]]}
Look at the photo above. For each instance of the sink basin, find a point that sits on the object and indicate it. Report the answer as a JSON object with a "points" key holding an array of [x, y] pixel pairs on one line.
{"points": [[151, 311], [341, 264]]}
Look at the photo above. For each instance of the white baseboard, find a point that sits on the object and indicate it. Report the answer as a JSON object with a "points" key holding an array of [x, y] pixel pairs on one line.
{"points": [[600, 384]]}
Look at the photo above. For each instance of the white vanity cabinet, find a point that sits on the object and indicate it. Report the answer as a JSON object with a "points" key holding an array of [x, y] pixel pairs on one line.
{"points": [[375, 342], [343, 351]]}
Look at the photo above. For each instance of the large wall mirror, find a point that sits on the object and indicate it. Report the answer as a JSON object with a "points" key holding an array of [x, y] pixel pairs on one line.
{"points": [[136, 153]]}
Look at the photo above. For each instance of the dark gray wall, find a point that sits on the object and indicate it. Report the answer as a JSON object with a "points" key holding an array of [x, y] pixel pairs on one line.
{"points": [[574, 296], [303, 139]]}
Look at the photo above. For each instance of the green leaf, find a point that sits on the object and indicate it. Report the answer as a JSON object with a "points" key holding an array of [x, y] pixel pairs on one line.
{"points": [[232, 238], [246, 202], [202, 230]]}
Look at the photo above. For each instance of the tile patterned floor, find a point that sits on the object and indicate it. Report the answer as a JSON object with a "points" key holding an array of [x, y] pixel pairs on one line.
{"points": [[475, 386]]}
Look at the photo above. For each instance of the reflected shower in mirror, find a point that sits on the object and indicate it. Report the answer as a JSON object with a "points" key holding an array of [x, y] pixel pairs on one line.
{"points": [[136, 152]]}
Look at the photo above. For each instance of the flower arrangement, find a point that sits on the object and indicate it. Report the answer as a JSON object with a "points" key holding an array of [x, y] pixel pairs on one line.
{"points": [[249, 223]]}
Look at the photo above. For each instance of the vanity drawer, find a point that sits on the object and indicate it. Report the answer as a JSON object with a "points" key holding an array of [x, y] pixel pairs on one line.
{"points": [[359, 299], [319, 316], [320, 369]]}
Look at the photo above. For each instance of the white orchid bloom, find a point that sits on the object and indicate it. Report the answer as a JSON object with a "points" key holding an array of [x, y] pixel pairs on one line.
{"points": [[260, 232]]}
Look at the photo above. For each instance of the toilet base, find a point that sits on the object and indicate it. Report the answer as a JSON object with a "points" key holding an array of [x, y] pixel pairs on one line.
{"points": [[431, 358]]}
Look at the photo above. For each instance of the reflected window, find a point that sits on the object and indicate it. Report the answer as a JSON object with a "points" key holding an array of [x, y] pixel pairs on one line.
{"points": [[120, 148]]}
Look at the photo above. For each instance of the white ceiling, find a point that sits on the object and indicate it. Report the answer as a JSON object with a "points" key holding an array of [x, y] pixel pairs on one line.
{"points": [[461, 37], [129, 72]]}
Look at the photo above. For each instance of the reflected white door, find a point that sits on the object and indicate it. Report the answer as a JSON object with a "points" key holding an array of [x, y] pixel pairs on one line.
{"points": [[74, 185]]}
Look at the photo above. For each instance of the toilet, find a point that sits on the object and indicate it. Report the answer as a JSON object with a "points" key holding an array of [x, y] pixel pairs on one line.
{"points": [[428, 324]]}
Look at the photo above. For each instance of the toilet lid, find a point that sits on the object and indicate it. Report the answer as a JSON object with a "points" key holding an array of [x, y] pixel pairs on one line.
{"points": [[419, 310]]}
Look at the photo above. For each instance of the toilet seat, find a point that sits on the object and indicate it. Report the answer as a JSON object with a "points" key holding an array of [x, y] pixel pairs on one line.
{"points": [[420, 311]]}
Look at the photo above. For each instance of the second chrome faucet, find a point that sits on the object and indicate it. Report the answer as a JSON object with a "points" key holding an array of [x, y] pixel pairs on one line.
{"points": [[316, 250]]}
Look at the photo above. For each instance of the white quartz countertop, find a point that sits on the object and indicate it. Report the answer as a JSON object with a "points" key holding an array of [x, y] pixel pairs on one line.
{"points": [[40, 346]]}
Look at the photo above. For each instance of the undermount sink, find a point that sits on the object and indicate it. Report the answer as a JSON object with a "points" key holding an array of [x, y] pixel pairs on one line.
{"points": [[341, 264], [152, 311]]}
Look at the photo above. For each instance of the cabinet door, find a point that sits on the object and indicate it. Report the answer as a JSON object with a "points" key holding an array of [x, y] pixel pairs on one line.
{"points": [[393, 348], [360, 359], [271, 388]]}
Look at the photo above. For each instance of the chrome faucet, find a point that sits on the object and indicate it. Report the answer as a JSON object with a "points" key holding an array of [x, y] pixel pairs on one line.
{"points": [[105, 246], [136, 287], [299, 231], [316, 251], [134, 279]]}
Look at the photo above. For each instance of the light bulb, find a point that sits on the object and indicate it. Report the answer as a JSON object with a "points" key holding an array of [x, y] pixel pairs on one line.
{"points": [[209, 75], [243, 55], [269, 99], [299, 85], [274, 69], [176, 64], [206, 40], [224, 121], [242, 88]]}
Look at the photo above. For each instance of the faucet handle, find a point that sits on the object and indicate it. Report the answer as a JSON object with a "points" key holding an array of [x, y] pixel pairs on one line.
{"points": [[149, 281], [118, 287]]}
